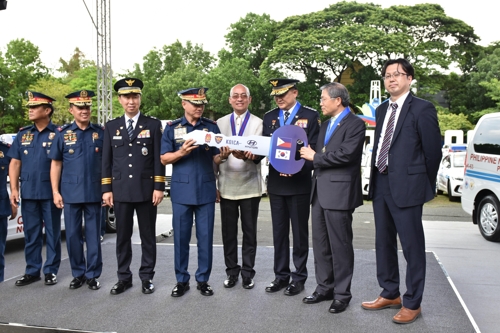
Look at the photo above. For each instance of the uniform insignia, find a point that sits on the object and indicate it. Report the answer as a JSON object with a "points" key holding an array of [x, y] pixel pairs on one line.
{"points": [[117, 132], [144, 151], [52, 135], [205, 129], [178, 126], [25, 152], [84, 94], [71, 151], [201, 92], [30, 95], [95, 136], [302, 123], [274, 83], [130, 82], [1, 154], [144, 134], [96, 149], [273, 122], [44, 144], [208, 138], [218, 139]]}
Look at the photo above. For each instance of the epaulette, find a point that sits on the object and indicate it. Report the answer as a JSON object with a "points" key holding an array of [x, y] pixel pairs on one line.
{"points": [[25, 127], [152, 117], [209, 120], [174, 122], [310, 108], [272, 110], [63, 127]]}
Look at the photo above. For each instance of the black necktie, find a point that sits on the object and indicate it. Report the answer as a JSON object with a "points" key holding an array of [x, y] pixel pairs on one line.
{"points": [[287, 114], [130, 128]]}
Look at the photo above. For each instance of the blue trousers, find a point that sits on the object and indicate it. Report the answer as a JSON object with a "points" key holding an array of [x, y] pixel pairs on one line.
{"points": [[182, 224], [36, 215], [3, 240], [73, 213]]}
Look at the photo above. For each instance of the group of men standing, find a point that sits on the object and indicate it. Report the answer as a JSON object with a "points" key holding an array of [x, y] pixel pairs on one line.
{"points": [[134, 150]]}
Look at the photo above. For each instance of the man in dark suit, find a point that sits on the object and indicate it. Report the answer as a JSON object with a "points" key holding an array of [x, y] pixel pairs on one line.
{"points": [[133, 179], [336, 192], [405, 161], [289, 194]]}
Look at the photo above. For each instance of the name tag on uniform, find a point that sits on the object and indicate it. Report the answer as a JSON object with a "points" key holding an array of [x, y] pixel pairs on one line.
{"points": [[117, 137], [144, 134]]}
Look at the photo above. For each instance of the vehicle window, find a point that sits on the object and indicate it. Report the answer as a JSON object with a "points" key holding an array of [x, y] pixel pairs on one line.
{"points": [[458, 161], [446, 161], [487, 140]]}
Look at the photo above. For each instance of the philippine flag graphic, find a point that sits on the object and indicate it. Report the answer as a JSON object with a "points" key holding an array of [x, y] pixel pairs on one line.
{"points": [[284, 142], [282, 154]]}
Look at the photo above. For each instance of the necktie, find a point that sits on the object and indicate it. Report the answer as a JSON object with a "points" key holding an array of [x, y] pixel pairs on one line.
{"points": [[287, 114], [130, 128], [384, 150], [238, 123]]}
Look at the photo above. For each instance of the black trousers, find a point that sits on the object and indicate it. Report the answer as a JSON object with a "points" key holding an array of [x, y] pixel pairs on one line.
{"points": [[231, 210], [146, 217], [391, 221], [291, 210]]}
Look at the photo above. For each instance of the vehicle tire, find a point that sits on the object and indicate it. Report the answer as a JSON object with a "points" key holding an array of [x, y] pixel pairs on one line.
{"points": [[438, 191], [450, 196], [487, 218], [110, 220]]}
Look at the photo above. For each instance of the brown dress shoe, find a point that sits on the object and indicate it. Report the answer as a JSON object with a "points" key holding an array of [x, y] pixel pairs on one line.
{"points": [[382, 303], [406, 316]]}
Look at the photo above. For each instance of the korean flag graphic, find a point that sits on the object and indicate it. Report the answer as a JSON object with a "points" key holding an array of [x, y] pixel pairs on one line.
{"points": [[282, 154]]}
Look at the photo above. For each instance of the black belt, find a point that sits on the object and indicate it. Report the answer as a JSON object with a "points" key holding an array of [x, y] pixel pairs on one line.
{"points": [[383, 172]]}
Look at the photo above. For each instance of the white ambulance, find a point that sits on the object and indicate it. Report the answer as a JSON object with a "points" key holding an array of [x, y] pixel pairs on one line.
{"points": [[481, 186]]}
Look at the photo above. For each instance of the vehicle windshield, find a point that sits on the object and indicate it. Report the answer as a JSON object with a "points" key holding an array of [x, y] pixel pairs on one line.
{"points": [[459, 160]]}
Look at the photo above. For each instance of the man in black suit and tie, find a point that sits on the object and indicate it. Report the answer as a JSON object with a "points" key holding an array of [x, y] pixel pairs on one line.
{"points": [[405, 161], [133, 179], [336, 192], [289, 194]]}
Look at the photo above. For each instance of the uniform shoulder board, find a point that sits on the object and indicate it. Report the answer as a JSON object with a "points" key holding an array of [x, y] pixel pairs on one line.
{"points": [[152, 117], [272, 110], [209, 120], [63, 127], [25, 127], [310, 108], [174, 122]]}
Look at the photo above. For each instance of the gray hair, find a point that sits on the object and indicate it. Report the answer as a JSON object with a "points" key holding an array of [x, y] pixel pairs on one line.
{"points": [[239, 84], [335, 89]]}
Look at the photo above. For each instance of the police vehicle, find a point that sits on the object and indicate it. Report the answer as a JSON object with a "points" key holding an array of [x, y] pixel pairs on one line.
{"points": [[481, 189]]}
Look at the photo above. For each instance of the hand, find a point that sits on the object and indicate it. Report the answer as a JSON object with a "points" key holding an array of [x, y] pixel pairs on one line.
{"points": [[188, 146], [107, 197], [239, 154], [14, 212], [217, 196], [14, 198], [249, 156], [58, 200], [307, 153], [157, 197], [224, 152]]}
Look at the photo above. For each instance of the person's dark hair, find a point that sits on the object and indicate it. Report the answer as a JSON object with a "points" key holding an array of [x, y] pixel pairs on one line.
{"points": [[51, 107], [405, 64], [335, 89]]}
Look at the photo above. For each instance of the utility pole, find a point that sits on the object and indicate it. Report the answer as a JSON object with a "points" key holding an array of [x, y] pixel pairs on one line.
{"points": [[104, 72]]}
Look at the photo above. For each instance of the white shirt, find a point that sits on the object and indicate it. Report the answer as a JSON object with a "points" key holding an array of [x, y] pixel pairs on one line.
{"points": [[135, 119], [400, 101]]}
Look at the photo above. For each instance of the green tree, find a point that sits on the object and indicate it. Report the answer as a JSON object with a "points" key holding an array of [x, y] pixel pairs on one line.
{"points": [[57, 89], [450, 121], [20, 66]]}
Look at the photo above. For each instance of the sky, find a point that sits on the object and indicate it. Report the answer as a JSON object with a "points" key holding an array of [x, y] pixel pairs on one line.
{"points": [[57, 27]]}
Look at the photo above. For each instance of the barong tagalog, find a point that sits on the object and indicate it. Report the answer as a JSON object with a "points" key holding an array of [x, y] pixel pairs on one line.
{"points": [[282, 148]]}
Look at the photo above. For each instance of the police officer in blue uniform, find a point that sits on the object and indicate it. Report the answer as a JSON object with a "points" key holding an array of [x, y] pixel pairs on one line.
{"points": [[31, 165], [193, 189], [6, 209], [289, 194], [75, 175], [133, 179]]}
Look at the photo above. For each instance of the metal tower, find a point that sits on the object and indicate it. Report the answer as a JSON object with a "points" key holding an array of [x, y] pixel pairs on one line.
{"points": [[104, 72]]}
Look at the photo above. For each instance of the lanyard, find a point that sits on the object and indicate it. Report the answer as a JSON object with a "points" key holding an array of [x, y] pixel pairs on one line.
{"points": [[292, 115], [243, 125], [330, 130]]}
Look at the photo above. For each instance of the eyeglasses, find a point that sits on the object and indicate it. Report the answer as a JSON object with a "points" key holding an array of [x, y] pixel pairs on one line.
{"points": [[238, 96], [395, 76], [323, 99]]}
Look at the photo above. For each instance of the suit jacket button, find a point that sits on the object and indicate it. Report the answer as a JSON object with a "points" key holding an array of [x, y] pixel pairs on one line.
{"points": [[130, 155], [130, 144], [130, 176], [130, 165]]}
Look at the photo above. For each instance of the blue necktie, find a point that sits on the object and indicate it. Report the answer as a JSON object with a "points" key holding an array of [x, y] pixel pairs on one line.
{"points": [[130, 128]]}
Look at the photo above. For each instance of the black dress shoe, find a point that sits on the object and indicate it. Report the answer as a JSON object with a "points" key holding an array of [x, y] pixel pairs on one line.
{"points": [[93, 284], [338, 306], [276, 285], [179, 289], [120, 287], [294, 288], [230, 281], [50, 279], [205, 289], [148, 287], [77, 282], [316, 298], [248, 283], [27, 279]]}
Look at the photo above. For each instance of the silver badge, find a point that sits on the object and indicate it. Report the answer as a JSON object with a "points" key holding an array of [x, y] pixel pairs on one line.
{"points": [[144, 151]]}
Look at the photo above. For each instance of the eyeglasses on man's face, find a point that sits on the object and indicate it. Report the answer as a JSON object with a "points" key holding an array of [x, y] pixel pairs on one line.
{"points": [[324, 99], [238, 96], [394, 75]]}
